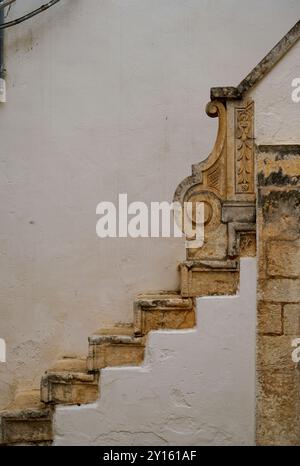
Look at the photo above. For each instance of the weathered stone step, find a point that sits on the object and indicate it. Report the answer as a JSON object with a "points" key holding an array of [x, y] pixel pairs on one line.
{"points": [[163, 310], [114, 349], [68, 382], [27, 421]]}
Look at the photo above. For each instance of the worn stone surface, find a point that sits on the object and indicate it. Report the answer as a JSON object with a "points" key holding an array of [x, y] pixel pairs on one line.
{"points": [[211, 283], [269, 318], [164, 311], [27, 427], [260, 70], [280, 290], [114, 350], [26, 421], [283, 258], [241, 239], [118, 329], [166, 319], [68, 365], [275, 353], [291, 319], [224, 182], [278, 421], [196, 387], [215, 278], [226, 176], [69, 388], [26, 399]]}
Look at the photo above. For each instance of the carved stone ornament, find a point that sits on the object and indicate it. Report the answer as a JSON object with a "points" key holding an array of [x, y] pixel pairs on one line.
{"points": [[224, 182]]}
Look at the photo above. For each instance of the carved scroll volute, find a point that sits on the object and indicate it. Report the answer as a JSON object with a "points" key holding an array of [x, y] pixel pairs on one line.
{"points": [[207, 184]]}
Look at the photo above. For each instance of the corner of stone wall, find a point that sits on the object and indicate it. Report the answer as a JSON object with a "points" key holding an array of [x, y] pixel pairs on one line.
{"points": [[278, 307]]}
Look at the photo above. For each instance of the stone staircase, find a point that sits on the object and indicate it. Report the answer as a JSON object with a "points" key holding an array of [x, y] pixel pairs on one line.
{"points": [[74, 381]]}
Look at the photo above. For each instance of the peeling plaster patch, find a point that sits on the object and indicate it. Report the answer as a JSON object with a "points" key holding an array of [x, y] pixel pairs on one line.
{"points": [[179, 399]]}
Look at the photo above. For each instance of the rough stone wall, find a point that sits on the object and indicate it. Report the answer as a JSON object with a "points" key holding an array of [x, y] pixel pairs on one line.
{"points": [[278, 220]]}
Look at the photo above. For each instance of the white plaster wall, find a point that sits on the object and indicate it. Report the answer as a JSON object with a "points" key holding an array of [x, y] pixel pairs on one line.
{"points": [[277, 116], [104, 97], [196, 387]]}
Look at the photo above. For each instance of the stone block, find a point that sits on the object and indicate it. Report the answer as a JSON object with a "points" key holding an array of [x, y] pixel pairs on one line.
{"points": [[115, 350], [275, 352], [26, 427], [283, 290], [69, 388], [278, 407], [283, 258]]}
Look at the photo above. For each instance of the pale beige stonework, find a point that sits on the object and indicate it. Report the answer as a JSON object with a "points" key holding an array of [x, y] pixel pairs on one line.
{"points": [[69, 388], [274, 353], [278, 377], [291, 319], [196, 281], [26, 421]]}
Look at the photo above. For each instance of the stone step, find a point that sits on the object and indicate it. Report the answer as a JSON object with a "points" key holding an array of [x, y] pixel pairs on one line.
{"points": [[163, 310], [209, 277], [69, 364], [27, 421], [69, 383], [111, 348], [118, 329]]}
